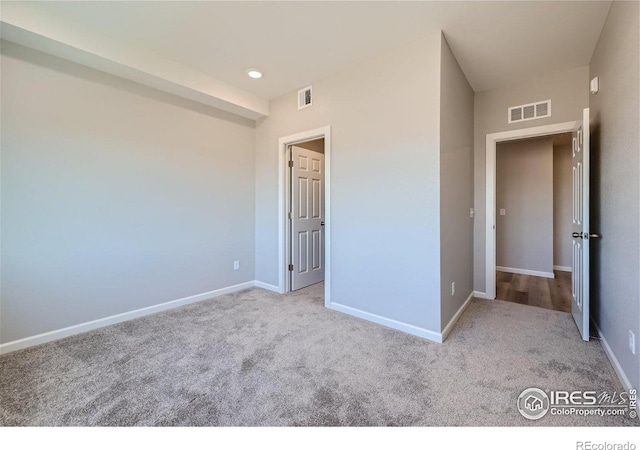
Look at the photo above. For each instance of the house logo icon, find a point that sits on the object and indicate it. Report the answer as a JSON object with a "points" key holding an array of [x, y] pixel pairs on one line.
{"points": [[533, 403]]}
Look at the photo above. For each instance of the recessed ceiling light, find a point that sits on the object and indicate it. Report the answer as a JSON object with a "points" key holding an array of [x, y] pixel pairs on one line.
{"points": [[253, 73]]}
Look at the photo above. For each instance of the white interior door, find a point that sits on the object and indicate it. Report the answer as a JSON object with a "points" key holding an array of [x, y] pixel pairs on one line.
{"points": [[581, 236], [307, 218]]}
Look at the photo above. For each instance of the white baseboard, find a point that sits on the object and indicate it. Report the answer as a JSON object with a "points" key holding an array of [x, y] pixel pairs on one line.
{"points": [[268, 287], [99, 323], [614, 361], [534, 273], [478, 294], [562, 268], [391, 323], [456, 316]]}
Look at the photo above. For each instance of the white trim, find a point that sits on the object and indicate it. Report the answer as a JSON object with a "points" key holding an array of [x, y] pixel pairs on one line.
{"points": [[117, 318], [391, 323], [456, 316], [482, 295], [283, 223], [268, 287], [535, 273], [562, 268], [490, 189], [614, 361]]}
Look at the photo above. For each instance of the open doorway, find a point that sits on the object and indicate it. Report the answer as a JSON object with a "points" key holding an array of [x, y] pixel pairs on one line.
{"points": [[304, 211], [534, 220], [581, 234]]}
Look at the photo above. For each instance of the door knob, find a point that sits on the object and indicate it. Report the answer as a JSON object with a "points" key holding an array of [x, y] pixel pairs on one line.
{"points": [[576, 235], [594, 236]]}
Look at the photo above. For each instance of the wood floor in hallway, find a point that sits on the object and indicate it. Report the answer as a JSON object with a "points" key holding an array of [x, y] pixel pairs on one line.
{"points": [[549, 293]]}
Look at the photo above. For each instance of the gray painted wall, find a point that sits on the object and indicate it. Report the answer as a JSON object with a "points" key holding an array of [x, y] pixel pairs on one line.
{"points": [[615, 294], [562, 205], [524, 188], [569, 94], [456, 184], [385, 171], [114, 196]]}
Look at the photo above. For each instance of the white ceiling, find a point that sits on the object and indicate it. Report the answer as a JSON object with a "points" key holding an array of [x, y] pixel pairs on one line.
{"points": [[298, 43]]}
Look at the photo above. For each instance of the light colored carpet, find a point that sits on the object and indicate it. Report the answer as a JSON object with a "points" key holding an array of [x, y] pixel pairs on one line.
{"points": [[259, 358]]}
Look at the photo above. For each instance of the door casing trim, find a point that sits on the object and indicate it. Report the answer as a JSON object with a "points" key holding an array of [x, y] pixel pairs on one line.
{"points": [[283, 206], [490, 189]]}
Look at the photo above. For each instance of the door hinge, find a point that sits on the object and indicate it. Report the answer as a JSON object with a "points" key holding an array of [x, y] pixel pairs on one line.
{"points": [[290, 163], [290, 216], [290, 267]]}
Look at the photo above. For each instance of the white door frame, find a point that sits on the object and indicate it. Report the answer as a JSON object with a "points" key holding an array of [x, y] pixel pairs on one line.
{"points": [[283, 206], [490, 231]]}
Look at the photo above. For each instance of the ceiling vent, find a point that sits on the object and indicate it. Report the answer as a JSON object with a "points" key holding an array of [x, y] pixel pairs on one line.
{"points": [[305, 98], [529, 111]]}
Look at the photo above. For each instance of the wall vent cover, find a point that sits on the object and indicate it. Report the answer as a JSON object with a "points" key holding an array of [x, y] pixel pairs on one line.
{"points": [[305, 97], [530, 111]]}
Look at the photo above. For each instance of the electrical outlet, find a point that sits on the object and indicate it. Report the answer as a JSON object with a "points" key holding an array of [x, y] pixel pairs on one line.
{"points": [[503, 212], [236, 265], [453, 288], [632, 342]]}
